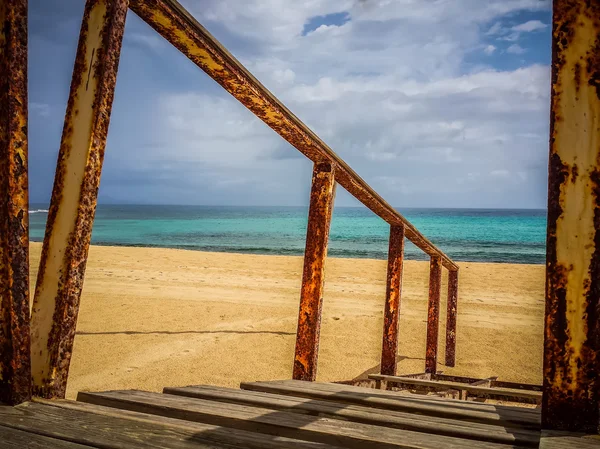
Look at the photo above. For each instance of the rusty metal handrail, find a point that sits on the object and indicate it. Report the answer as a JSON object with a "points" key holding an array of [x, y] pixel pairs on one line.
{"points": [[180, 28], [571, 389], [72, 208]]}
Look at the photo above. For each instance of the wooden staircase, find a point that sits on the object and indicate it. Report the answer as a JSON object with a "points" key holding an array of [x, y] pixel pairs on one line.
{"points": [[278, 414]]}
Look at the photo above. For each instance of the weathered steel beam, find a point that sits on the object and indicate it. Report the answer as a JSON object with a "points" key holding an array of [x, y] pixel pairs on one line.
{"points": [[73, 205], [15, 366], [311, 295], [178, 27], [451, 318], [389, 348], [572, 321], [433, 314]]}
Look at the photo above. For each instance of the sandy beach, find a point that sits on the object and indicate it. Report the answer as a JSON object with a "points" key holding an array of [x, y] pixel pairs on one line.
{"points": [[151, 318]]}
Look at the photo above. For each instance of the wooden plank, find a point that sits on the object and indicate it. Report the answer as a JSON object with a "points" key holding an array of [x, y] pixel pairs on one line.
{"points": [[274, 422], [418, 375], [472, 389], [568, 440], [365, 415], [495, 382], [109, 428], [402, 396], [516, 386], [449, 378], [18, 439], [366, 392], [469, 411], [484, 382]]}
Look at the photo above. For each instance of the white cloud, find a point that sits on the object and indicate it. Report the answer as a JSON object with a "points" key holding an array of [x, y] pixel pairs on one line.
{"points": [[490, 49], [516, 49], [213, 130], [495, 29], [389, 91], [273, 22], [514, 33], [532, 25]]}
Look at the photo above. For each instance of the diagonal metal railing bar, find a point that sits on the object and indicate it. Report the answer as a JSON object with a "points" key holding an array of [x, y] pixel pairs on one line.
{"points": [[172, 21]]}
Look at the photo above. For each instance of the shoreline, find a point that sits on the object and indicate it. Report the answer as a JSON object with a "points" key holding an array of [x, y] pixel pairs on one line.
{"points": [[155, 317], [292, 253]]}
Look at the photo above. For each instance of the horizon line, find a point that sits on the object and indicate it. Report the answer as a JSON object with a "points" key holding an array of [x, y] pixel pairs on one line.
{"points": [[47, 205]]}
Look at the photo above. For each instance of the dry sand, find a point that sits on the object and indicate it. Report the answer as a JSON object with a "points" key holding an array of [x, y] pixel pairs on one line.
{"points": [[151, 318]]}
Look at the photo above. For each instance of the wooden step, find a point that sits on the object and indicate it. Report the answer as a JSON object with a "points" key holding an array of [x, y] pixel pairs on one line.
{"points": [[365, 415], [18, 439], [488, 392], [388, 400], [107, 427], [567, 440], [273, 422]]}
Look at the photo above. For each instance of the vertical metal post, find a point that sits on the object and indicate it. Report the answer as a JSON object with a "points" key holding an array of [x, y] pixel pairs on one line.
{"points": [[571, 394], [433, 313], [71, 215], [311, 296], [392, 301], [15, 366], [451, 318]]}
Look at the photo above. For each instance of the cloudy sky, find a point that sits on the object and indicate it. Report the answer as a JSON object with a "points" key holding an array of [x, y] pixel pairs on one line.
{"points": [[435, 103]]}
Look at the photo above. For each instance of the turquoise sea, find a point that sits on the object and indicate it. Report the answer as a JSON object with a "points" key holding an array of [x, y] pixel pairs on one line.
{"points": [[482, 235]]}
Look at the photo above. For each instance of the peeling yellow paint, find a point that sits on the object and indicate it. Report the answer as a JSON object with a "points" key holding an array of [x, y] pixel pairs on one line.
{"points": [[81, 118], [196, 52], [577, 143]]}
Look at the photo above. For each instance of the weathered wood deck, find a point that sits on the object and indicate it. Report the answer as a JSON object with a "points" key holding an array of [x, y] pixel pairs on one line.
{"points": [[473, 389], [281, 414]]}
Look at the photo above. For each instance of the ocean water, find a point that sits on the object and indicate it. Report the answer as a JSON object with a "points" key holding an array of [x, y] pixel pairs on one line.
{"points": [[482, 235]]}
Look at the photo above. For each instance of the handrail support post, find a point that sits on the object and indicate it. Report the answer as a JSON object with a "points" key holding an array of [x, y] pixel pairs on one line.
{"points": [[393, 294], [313, 278]]}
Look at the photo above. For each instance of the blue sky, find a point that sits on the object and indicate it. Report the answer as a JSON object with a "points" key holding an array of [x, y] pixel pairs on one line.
{"points": [[436, 103]]}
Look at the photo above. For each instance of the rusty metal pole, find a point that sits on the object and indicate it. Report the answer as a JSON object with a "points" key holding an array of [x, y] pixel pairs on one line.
{"points": [[433, 314], [451, 318], [572, 322], [15, 362], [71, 215], [311, 295], [389, 348]]}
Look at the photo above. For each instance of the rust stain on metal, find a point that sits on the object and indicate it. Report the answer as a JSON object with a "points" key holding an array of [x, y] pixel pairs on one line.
{"points": [[433, 314], [572, 327], [15, 368], [73, 205], [392, 301], [451, 318], [178, 27], [311, 295]]}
